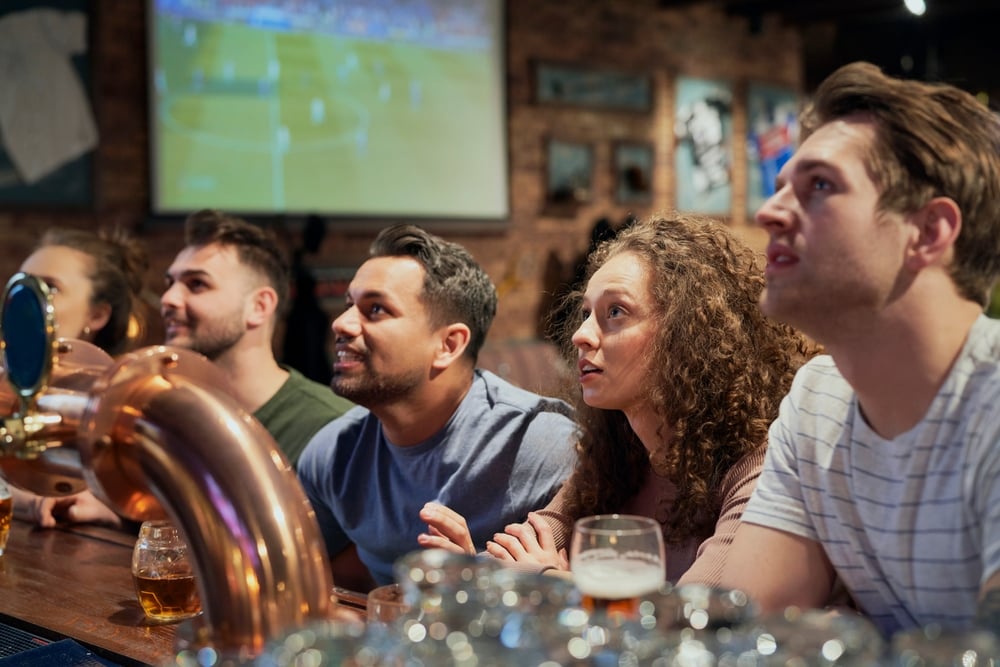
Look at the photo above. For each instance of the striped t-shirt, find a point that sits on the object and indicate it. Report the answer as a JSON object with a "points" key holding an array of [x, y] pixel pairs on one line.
{"points": [[912, 524]]}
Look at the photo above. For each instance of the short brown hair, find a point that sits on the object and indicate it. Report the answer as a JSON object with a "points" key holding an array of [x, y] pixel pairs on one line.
{"points": [[255, 247], [932, 140]]}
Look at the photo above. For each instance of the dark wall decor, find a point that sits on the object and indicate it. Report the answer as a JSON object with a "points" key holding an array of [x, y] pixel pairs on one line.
{"points": [[47, 125]]}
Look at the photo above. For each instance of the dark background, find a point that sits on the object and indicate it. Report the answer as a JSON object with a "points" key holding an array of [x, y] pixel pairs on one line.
{"points": [[954, 41]]}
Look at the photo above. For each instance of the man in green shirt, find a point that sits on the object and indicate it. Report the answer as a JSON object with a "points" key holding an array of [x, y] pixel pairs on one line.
{"points": [[223, 295]]}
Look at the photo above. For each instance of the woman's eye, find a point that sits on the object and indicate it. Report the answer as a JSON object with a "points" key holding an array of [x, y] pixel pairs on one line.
{"points": [[615, 311]]}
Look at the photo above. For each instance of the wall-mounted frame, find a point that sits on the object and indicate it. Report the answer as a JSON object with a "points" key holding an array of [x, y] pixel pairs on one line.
{"points": [[703, 130], [588, 87], [773, 132], [568, 174], [632, 162], [47, 160]]}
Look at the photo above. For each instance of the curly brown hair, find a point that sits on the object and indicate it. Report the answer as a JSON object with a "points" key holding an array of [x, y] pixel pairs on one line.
{"points": [[720, 369]]}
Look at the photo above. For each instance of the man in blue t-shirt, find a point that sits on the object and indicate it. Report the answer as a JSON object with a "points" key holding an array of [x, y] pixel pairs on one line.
{"points": [[429, 426]]}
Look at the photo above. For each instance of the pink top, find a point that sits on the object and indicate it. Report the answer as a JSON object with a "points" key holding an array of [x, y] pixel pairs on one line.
{"points": [[693, 561]]}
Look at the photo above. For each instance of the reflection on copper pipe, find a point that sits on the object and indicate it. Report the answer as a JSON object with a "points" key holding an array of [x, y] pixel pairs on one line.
{"points": [[158, 430]]}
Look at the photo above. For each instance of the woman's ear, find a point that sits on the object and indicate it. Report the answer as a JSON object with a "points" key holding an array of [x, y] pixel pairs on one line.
{"points": [[98, 317]]}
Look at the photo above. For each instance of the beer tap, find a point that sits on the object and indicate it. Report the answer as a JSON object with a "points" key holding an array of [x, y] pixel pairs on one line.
{"points": [[157, 434]]}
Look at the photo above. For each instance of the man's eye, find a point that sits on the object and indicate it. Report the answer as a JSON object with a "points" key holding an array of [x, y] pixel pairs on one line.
{"points": [[820, 183]]}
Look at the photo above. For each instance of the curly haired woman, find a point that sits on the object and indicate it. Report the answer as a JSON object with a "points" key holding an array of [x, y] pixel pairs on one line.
{"points": [[680, 377]]}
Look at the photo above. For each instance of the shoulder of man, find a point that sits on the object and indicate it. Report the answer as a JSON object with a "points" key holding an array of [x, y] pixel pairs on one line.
{"points": [[318, 396], [500, 391], [339, 437]]}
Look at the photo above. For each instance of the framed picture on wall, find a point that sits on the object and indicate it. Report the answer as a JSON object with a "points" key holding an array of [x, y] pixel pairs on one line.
{"points": [[703, 130], [591, 87], [568, 173], [50, 133], [773, 132], [632, 162]]}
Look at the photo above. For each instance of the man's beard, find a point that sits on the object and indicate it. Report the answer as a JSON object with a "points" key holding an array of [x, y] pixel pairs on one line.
{"points": [[216, 341], [372, 389]]}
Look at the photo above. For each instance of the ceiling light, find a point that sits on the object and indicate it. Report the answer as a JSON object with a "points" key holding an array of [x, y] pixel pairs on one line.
{"points": [[916, 6]]}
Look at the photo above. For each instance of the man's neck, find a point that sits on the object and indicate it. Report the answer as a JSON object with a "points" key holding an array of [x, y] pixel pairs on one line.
{"points": [[899, 361], [420, 415], [254, 374]]}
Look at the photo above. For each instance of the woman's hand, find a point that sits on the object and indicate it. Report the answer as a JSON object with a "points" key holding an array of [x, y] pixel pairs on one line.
{"points": [[446, 529], [81, 507], [529, 542]]}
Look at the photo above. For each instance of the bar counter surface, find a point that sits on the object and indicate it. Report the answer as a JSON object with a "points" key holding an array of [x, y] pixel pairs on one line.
{"points": [[76, 582]]}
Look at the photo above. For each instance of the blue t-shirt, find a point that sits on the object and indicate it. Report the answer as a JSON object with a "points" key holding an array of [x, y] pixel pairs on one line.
{"points": [[503, 453]]}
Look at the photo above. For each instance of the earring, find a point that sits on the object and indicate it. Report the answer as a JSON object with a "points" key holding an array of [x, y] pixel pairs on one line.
{"points": [[86, 330]]}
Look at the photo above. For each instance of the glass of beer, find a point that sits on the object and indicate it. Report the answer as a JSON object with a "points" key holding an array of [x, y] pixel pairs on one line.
{"points": [[615, 558], [386, 605], [6, 513], [163, 575]]}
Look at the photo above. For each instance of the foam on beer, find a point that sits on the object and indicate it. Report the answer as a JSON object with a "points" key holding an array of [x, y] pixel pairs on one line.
{"points": [[617, 578]]}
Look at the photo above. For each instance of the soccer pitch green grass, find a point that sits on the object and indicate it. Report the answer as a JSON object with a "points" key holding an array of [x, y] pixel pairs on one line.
{"points": [[253, 120]]}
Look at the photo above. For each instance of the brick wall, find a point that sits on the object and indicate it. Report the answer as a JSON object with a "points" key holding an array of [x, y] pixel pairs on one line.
{"points": [[536, 247]]}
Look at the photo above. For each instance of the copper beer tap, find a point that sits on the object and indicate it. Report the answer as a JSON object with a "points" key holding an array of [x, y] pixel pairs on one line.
{"points": [[157, 434]]}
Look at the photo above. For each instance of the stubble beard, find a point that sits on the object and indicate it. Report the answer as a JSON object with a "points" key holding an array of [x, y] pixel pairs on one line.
{"points": [[213, 343], [371, 389]]}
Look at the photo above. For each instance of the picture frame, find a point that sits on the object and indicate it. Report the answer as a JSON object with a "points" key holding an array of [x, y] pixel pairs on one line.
{"points": [[633, 166], [772, 134], [566, 84], [568, 173], [703, 135], [55, 173]]}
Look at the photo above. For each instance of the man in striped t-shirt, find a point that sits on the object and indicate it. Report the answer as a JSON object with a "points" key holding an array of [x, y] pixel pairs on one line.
{"points": [[882, 467]]}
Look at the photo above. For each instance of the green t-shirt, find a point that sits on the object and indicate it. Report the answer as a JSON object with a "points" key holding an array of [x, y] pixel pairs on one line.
{"points": [[297, 410]]}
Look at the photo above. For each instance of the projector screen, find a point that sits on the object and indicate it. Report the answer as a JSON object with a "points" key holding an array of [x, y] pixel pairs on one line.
{"points": [[370, 108]]}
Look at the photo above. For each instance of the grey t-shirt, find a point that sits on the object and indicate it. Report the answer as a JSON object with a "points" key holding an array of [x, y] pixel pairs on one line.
{"points": [[912, 524], [503, 453]]}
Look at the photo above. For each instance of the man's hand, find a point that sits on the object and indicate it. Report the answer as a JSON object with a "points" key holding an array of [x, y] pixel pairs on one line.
{"points": [[446, 528], [529, 542]]}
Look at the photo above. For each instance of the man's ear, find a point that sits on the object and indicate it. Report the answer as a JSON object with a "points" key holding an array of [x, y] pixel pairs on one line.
{"points": [[263, 302], [454, 339], [938, 223]]}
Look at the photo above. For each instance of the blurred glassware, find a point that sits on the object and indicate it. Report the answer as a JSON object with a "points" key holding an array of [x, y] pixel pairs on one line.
{"points": [[319, 644], [817, 637], [695, 606], [386, 605], [933, 647]]}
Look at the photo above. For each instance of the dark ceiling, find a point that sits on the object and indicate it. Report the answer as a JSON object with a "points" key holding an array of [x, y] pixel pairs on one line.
{"points": [[955, 40]]}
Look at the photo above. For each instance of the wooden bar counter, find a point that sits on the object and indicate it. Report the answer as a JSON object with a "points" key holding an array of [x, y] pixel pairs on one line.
{"points": [[76, 582]]}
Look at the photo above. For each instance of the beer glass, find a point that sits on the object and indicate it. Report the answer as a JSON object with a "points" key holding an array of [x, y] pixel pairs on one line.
{"points": [[615, 558], [163, 575], [6, 513], [386, 605]]}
